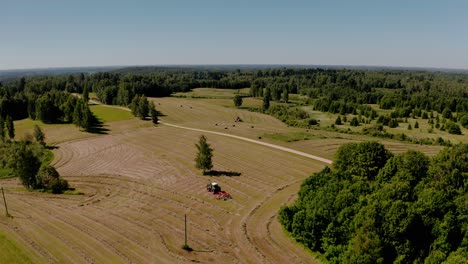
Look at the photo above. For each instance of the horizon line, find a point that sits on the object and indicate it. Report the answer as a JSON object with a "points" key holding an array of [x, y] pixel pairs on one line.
{"points": [[242, 64]]}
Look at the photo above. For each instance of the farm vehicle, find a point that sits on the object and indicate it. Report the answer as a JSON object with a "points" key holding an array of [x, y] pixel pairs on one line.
{"points": [[215, 189]]}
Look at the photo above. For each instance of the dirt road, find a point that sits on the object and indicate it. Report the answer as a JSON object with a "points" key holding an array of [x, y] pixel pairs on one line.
{"points": [[300, 153]]}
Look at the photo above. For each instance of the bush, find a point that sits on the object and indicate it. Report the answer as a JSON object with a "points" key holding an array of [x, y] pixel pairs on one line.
{"points": [[453, 128], [312, 122], [49, 179], [338, 121], [354, 122]]}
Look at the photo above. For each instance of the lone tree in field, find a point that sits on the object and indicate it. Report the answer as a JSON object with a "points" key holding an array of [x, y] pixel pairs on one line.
{"points": [[39, 135], [237, 100], [204, 155]]}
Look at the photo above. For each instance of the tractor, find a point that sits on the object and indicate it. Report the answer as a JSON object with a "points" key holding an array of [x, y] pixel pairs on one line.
{"points": [[216, 190]]}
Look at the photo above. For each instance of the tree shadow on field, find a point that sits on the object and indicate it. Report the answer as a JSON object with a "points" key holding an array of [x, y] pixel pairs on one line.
{"points": [[223, 173], [51, 147], [97, 127]]}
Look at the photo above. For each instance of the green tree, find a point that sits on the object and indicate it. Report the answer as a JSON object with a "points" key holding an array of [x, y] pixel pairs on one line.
{"points": [[204, 156], [393, 123], [464, 120], [26, 166], [11, 127], [453, 128], [85, 94], [354, 122], [39, 135], [447, 113], [134, 105], [153, 112], [49, 179], [143, 107], [285, 95], [78, 113], [266, 99], [2, 129], [416, 125], [237, 100], [363, 160], [87, 117], [338, 121], [82, 115]]}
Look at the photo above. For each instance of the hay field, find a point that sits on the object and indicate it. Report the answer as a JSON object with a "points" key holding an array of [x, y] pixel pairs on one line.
{"points": [[138, 185], [139, 180]]}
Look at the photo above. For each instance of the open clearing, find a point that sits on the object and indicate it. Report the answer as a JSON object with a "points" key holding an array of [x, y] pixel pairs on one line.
{"points": [[139, 181], [138, 186]]}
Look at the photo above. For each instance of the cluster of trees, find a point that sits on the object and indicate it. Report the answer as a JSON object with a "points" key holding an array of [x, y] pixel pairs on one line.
{"points": [[375, 207], [46, 99], [30, 161], [141, 107]]}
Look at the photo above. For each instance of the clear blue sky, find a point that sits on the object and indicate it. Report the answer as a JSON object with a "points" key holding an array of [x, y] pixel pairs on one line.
{"points": [[46, 33]]}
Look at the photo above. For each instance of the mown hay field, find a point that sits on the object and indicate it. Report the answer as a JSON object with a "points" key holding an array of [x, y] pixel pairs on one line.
{"points": [[139, 181]]}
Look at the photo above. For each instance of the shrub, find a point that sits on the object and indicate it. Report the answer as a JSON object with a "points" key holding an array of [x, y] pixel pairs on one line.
{"points": [[354, 122]]}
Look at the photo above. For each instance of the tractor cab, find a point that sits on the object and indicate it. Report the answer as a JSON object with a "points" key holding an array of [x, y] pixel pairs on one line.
{"points": [[213, 187]]}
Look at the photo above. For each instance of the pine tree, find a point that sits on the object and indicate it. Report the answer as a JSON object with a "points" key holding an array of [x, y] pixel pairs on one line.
{"points": [[237, 100], [85, 94], [78, 113], [285, 95], [143, 107], [134, 105], [338, 121], [11, 127], [87, 120], [153, 112], [39, 135], [205, 153], [266, 99]]}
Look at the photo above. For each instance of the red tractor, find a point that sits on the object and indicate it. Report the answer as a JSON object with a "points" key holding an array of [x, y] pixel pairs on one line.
{"points": [[216, 190]]}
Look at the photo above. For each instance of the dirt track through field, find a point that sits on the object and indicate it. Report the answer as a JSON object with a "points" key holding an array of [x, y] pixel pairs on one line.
{"points": [[327, 161], [324, 160]]}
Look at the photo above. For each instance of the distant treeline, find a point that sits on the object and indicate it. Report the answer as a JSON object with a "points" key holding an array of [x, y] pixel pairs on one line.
{"points": [[330, 90]]}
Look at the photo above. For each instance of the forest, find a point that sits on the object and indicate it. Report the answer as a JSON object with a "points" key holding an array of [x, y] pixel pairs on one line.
{"points": [[375, 207], [441, 98]]}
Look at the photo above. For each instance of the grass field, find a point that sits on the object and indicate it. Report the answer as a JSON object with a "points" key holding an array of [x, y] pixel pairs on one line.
{"points": [[139, 181], [10, 252], [328, 119], [6, 173], [213, 93], [109, 114], [115, 121]]}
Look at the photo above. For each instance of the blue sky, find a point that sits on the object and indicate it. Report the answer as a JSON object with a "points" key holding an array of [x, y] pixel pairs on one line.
{"points": [[60, 33]]}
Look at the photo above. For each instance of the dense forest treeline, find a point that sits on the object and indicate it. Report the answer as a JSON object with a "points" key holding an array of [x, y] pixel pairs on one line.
{"points": [[375, 207], [339, 91]]}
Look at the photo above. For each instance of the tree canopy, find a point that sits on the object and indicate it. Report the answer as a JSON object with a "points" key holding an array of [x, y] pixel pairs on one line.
{"points": [[204, 155], [374, 207]]}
